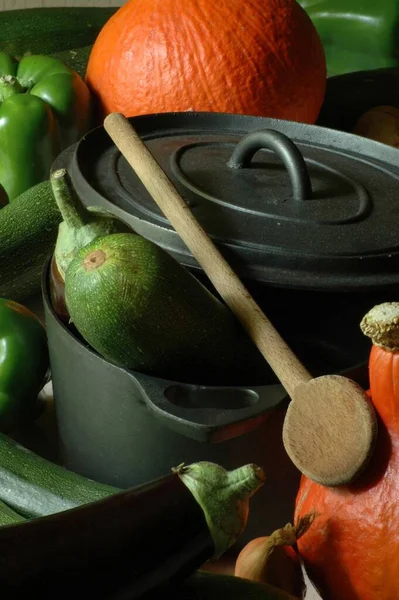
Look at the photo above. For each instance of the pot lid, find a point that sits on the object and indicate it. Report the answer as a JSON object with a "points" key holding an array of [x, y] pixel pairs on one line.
{"points": [[288, 204]]}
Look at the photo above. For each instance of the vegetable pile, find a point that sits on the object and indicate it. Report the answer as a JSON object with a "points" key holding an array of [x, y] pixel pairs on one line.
{"points": [[55, 523], [201, 508], [60, 72]]}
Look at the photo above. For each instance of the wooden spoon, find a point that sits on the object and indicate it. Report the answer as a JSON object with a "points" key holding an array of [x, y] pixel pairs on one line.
{"points": [[330, 425]]}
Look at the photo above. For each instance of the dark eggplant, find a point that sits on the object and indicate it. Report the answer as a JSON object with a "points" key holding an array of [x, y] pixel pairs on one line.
{"points": [[127, 544], [212, 586]]}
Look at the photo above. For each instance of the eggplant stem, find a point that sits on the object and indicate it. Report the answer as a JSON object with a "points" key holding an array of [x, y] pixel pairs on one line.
{"points": [[223, 496], [244, 482]]}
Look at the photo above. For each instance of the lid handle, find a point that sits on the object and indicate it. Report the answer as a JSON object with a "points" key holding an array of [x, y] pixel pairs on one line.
{"points": [[285, 148]]}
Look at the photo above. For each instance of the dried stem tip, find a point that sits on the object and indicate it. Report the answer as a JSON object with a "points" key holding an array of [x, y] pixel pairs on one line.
{"points": [[381, 324]]}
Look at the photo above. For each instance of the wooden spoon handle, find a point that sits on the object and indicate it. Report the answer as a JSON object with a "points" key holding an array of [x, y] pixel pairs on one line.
{"points": [[278, 354]]}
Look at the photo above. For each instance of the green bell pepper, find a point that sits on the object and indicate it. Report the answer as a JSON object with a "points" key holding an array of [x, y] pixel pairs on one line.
{"points": [[44, 107], [24, 363], [357, 35]]}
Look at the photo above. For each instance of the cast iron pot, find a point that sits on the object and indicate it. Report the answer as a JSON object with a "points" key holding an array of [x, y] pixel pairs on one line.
{"points": [[289, 204], [124, 428], [305, 215], [282, 233]]}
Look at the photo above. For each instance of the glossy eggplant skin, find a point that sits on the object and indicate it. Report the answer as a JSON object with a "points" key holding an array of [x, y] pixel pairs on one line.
{"points": [[119, 547]]}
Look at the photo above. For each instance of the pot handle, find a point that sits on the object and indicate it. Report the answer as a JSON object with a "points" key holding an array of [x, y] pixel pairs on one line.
{"points": [[206, 413], [285, 149]]}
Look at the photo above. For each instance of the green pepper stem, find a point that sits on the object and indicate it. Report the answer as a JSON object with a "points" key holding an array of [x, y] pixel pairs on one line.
{"points": [[9, 86], [74, 213], [223, 496]]}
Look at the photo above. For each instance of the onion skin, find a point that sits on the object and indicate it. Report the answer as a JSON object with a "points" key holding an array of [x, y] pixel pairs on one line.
{"points": [[274, 560]]}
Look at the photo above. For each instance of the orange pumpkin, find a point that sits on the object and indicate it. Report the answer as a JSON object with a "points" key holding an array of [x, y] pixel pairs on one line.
{"points": [[352, 549], [258, 57]]}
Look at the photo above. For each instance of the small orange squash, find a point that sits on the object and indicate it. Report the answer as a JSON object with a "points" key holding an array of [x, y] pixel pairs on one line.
{"points": [[352, 549], [256, 57]]}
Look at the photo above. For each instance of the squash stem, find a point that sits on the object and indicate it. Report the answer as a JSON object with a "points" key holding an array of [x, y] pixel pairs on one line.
{"points": [[381, 324], [223, 496], [73, 212]]}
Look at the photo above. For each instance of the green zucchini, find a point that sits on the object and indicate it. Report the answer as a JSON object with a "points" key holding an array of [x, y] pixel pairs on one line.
{"points": [[155, 316], [9, 516], [203, 585], [75, 58], [53, 29], [34, 487], [28, 232]]}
